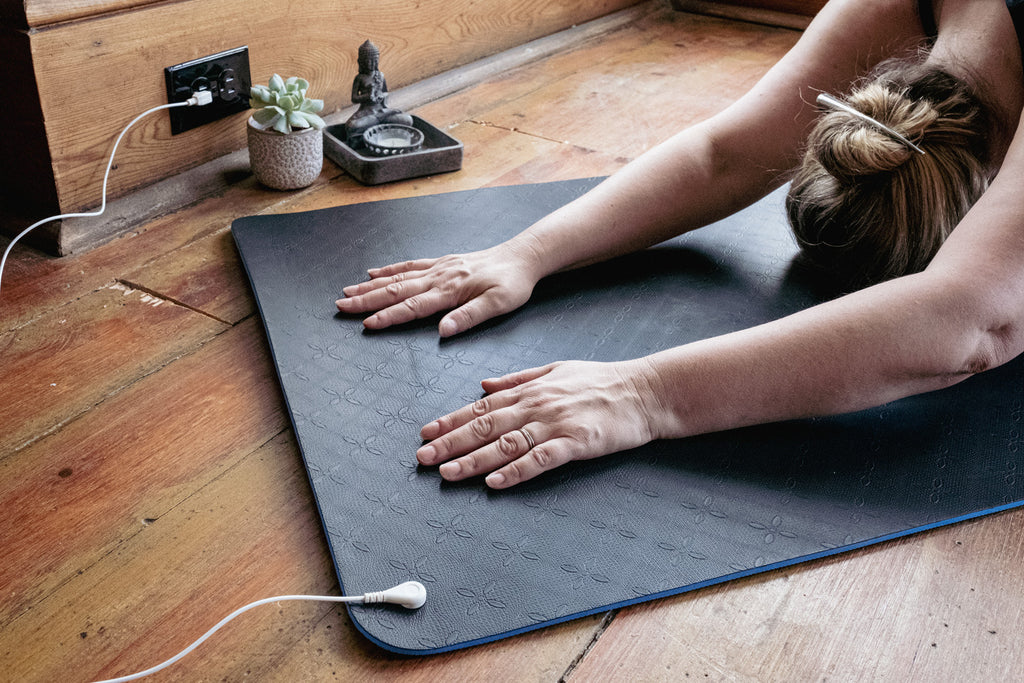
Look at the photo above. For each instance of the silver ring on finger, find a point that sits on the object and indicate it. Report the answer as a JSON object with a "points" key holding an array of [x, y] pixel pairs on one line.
{"points": [[530, 443]]}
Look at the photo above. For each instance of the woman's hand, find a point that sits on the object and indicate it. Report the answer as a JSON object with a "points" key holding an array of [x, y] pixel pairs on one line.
{"points": [[537, 419], [474, 287]]}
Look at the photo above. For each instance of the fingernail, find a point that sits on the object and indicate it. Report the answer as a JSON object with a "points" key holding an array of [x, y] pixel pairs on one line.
{"points": [[447, 327], [450, 469], [495, 479], [426, 454]]}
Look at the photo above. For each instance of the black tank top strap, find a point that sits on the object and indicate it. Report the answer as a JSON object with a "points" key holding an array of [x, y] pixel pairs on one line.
{"points": [[1016, 8], [931, 28], [927, 14]]}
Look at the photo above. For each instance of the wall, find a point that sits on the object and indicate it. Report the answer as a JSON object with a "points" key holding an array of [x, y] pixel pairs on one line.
{"points": [[83, 69], [787, 13]]}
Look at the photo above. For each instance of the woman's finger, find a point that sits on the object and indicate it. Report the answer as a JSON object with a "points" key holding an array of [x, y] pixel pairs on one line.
{"points": [[495, 400], [510, 446], [403, 267], [380, 281], [471, 436], [382, 277], [386, 294], [541, 458], [496, 384], [439, 432], [490, 303], [412, 305]]}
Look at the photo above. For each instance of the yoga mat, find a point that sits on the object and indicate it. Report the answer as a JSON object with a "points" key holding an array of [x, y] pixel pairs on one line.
{"points": [[587, 537]]}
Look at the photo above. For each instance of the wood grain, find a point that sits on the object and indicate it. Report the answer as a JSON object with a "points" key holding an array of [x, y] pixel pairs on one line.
{"points": [[649, 100], [39, 13], [34, 283], [795, 14], [205, 276], [86, 488], [806, 7], [64, 363], [492, 157], [167, 490], [125, 48], [916, 609]]}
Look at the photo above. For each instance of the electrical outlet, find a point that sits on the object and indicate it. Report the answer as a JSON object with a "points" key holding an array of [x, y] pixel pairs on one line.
{"points": [[225, 75]]}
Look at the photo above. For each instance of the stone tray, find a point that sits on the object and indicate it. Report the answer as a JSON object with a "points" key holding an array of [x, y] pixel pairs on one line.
{"points": [[440, 153]]}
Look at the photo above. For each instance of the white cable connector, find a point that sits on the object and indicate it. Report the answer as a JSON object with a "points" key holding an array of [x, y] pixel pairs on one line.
{"points": [[411, 595], [199, 98]]}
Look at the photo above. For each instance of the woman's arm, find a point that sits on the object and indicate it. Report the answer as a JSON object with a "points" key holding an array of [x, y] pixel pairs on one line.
{"points": [[726, 163], [696, 177], [962, 315]]}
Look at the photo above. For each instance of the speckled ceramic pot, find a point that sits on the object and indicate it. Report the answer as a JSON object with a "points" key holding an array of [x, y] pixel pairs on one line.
{"points": [[285, 162]]}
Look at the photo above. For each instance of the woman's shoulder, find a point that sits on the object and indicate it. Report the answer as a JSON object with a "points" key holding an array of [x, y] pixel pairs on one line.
{"points": [[978, 41]]}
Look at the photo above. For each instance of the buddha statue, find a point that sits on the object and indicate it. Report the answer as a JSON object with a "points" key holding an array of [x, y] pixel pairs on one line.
{"points": [[369, 91]]}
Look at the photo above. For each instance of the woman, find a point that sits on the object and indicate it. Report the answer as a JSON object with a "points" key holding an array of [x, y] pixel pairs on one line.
{"points": [[916, 331]]}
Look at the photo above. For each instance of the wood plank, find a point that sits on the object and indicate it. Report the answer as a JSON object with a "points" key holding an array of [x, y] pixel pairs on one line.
{"points": [[490, 154], [39, 13], [536, 656], [251, 532], [805, 7], [124, 46], [248, 534], [757, 15], [645, 84], [206, 275], [34, 283], [935, 605], [66, 362], [81, 491], [651, 23]]}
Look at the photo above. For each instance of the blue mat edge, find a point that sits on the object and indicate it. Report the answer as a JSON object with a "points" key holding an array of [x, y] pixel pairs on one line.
{"points": [[685, 589]]}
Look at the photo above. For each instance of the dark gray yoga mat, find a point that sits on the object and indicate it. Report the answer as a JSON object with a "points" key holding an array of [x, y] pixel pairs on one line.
{"points": [[665, 518]]}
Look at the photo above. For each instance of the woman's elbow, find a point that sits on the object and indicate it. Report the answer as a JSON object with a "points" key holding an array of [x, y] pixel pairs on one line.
{"points": [[997, 344], [987, 326]]}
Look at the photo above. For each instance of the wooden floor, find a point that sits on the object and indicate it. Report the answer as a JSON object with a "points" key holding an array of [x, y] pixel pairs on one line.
{"points": [[150, 483]]}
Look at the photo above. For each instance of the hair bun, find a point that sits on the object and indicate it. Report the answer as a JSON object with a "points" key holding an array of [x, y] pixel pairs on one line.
{"points": [[893, 222], [850, 148]]}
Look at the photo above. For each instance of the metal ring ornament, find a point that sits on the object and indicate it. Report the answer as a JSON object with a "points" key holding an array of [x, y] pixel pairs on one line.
{"points": [[530, 443]]}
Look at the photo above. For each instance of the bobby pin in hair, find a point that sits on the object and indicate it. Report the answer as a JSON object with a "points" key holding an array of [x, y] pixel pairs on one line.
{"points": [[833, 103]]}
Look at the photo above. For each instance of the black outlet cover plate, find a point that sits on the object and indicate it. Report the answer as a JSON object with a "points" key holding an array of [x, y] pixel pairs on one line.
{"points": [[225, 75]]}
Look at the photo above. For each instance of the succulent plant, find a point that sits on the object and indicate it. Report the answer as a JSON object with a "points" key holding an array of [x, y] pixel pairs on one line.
{"points": [[283, 105]]}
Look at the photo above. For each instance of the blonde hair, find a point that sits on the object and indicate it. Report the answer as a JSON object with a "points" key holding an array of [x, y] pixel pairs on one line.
{"points": [[865, 207]]}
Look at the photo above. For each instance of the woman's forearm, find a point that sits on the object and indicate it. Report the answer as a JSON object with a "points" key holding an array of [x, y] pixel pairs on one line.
{"points": [[729, 161], [893, 340], [684, 183]]}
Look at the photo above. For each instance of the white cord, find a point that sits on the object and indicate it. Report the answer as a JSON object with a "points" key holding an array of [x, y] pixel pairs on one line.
{"points": [[410, 595], [200, 98]]}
